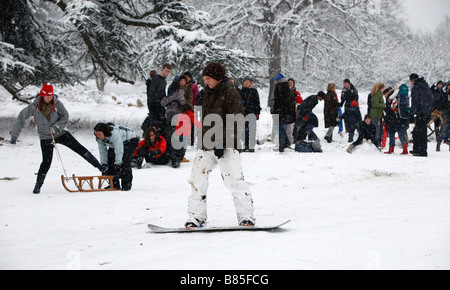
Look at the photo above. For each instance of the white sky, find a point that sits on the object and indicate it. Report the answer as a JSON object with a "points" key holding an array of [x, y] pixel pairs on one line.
{"points": [[426, 14]]}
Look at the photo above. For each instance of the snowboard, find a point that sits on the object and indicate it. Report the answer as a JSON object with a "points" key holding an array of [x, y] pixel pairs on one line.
{"points": [[162, 230]]}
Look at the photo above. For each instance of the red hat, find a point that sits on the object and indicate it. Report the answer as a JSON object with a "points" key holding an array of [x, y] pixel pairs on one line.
{"points": [[47, 90], [355, 104]]}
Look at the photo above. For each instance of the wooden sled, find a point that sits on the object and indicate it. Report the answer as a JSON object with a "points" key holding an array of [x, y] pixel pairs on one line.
{"points": [[89, 183], [436, 114]]}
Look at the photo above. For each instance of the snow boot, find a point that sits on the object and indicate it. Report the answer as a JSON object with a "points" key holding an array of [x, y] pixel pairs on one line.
{"points": [[247, 221], [350, 148], [391, 150], [39, 181], [405, 149], [193, 223]]}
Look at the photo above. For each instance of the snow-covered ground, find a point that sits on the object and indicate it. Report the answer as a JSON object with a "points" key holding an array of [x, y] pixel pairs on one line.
{"points": [[365, 210]]}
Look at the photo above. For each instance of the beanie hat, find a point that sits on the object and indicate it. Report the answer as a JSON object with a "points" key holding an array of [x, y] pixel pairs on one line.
{"points": [[47, 90], [355, 104], [214, 70], [413, 77], [279, 76]]}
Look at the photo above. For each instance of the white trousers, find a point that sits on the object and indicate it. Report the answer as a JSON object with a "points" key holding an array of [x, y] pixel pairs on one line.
{"points": [[231, 170]]}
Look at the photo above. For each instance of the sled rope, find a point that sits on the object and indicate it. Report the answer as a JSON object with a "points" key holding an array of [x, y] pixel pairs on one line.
{"points": [[58, 155]]}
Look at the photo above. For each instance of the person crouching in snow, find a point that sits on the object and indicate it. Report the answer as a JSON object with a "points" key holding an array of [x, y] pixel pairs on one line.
{"points": [[152, 149], [221, 99], [51, 118], [116, 145], [367, 132], [352, 117]]}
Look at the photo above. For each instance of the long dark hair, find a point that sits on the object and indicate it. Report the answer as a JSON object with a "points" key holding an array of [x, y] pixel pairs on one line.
{"points": [[153, 130], [104, 128]]}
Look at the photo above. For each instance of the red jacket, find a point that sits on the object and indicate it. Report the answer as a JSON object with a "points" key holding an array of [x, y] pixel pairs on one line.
{"points": [[181, 130], [160, 143]]}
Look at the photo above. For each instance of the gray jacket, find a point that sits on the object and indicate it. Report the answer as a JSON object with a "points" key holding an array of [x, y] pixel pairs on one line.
{"points": [[173, 103], [119, 136], [59, 117]]}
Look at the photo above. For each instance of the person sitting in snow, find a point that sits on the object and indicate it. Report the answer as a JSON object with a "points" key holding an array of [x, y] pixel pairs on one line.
{"points": [[51, 118], [152, 149], [352, 117], [367, 132]]}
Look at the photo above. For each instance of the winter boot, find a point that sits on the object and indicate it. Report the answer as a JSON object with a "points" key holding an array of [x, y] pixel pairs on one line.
{"points": [[350, 139], [391, 150], [247, 221], [438, 147], [350, 148], [405, 149], [193, 223], [39, 181]]}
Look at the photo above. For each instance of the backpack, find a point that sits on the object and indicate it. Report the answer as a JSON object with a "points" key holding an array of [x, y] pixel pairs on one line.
{"points": [[403, 103]]}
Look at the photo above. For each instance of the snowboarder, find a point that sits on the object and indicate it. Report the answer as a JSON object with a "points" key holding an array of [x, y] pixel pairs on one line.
{"points": [[116, 145], [51, 118], [220, 99]]}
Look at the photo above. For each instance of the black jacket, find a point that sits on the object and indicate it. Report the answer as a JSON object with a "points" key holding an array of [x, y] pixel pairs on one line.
{"points": [[250, 99], [422, 102], [367, 132], [155, 93], [348, 96], [284, 103]]}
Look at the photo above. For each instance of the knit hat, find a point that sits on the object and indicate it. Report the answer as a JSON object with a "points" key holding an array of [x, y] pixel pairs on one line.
{"points": [[279, 76], [214, 70], [355, 104], [47, 90], [413, 77]]}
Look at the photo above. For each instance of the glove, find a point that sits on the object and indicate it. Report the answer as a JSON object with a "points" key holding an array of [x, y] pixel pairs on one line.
{"points": [[156, 152], [13, 139], [218, 153]]}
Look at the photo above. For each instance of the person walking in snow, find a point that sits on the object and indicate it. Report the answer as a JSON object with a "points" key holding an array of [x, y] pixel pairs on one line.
{"points": [[116, 145], [330, 111], [220, 100], [51, 118]]}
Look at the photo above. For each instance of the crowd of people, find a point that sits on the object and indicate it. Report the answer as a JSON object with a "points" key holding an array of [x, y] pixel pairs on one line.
{"points": [[390, 111], [171, 122]]}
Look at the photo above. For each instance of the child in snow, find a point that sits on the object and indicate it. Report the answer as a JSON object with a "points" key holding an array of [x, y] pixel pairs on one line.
{"points": [[352, 117], [51, 118], [116, 145], [367, 133], [152, 149]]}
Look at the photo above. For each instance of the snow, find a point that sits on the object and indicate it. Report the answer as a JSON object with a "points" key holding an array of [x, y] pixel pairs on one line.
{"points": [[365, 210]]}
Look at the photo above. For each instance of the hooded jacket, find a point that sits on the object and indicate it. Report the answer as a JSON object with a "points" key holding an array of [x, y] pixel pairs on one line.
{"points": [[59, 117]]}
